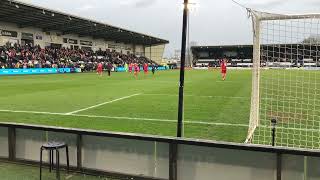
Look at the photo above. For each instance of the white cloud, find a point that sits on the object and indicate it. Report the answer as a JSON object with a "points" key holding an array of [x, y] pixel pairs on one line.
{"points": [[25, 1], [85, 7], [137, 3], [144, 3], [284, 5]]}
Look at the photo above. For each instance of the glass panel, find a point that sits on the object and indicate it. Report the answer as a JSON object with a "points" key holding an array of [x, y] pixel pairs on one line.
{"points": [[313, 168], [214, 163], [292, 167], [4, 142], [126, 156], [28, 143], [71, 141]]}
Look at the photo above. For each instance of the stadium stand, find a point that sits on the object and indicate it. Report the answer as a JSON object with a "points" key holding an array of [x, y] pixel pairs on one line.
{"points": [[241, 55], [28, 56]]}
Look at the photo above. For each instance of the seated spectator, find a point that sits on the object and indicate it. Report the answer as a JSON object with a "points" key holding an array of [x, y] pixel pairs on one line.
{"points": [[29, 56]]}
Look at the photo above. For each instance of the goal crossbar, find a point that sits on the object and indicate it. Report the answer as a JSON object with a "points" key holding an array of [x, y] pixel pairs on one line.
{"points": [[265, 16]]}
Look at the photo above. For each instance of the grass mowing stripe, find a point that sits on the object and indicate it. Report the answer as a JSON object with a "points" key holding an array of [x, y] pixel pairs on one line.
{"points": [[128, 118], [226, 97], [231, 97], [101, 104]]}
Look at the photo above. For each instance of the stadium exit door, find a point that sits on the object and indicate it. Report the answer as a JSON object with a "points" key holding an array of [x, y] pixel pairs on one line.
{"points": [[56, 46], [27, 39]]}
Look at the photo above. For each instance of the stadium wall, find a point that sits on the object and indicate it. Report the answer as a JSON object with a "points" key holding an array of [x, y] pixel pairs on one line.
{"points": [[132, 156], [156, 53], [10, 32]]}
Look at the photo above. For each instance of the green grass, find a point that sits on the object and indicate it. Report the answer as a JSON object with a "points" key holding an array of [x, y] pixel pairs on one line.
{"points": [[291, 97], [11, 171], [213, 109], [208, 100]]}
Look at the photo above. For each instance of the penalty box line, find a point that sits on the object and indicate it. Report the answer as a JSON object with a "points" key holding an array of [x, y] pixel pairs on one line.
{"points": [[128, 118], [101, 104]]}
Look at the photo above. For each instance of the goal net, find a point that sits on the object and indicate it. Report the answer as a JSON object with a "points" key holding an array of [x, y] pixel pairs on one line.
{"points": [[285, 80]]}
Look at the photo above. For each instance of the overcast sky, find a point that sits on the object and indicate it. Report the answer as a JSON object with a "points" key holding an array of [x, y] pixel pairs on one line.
{"points": [[214, 22]]}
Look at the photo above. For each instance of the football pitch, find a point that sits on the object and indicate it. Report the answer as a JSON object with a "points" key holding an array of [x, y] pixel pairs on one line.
{"points": [[214, 109]]}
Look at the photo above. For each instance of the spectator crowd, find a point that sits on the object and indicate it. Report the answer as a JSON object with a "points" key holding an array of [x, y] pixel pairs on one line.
{"points": [[23, 57]]}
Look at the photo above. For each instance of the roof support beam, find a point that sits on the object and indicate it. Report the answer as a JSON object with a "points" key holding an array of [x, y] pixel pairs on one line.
{"points": [[41, 23], [78, 29], [60, 25]]}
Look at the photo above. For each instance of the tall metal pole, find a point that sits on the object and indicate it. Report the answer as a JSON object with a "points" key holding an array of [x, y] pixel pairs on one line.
{"points": [[183, 61], [189, 62]]}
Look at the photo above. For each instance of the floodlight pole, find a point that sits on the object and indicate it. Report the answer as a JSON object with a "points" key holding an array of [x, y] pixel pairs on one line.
{"points": [[188, 36], [173, 160], [182, 69]]}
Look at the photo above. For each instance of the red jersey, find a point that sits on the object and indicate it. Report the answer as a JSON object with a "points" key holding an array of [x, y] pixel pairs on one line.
{"points": [[223, 65], [136, 68], [145, 67], [100, 66]]}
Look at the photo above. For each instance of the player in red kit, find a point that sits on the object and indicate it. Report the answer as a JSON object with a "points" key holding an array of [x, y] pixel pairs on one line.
{"points": [[136, 70], [130, 67], [223, 65], [145, 68], [100, 69]]}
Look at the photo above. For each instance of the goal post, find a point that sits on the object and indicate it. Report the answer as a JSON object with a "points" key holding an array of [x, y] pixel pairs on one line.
{"points": [[285, 79], [254, 110]]}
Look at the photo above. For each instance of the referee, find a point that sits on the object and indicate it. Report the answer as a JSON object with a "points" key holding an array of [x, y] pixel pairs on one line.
{"points": [[153, 69], [109, 68]]}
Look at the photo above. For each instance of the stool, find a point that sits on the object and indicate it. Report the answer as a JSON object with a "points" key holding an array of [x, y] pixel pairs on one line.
{"points": [[51, 147]]}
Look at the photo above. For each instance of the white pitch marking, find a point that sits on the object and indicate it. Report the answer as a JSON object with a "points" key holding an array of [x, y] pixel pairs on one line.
{"points": [[32, 112], [101, 104], [127, 118], [154, 120]]}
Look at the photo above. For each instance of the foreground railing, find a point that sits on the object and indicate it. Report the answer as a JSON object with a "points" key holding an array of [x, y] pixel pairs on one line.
{"points": [[153, 157]]}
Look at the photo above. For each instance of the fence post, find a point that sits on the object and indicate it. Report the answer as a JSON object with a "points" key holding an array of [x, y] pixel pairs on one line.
{"points": [[79, 152], [279, 166], [173, 152], [12, 143]]}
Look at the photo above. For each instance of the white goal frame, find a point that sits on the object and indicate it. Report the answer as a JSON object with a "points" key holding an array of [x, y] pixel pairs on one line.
{"points": [[257, 19]]}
